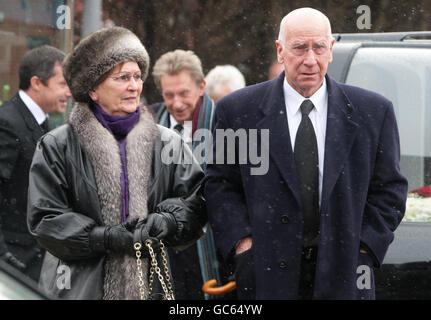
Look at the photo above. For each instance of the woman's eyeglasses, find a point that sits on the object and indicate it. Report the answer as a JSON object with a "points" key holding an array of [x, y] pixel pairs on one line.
{"points": [[126, 77]]}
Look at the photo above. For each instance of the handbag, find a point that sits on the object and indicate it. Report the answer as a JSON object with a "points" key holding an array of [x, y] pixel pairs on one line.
{"points": [[166, 285]]}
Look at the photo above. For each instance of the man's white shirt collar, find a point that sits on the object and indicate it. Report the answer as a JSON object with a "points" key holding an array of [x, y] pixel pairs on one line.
{"points": [[33, 107], [294, 99]]}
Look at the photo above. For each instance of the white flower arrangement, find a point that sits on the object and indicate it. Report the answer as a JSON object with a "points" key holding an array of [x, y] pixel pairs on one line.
{"points": [[418, 209]]}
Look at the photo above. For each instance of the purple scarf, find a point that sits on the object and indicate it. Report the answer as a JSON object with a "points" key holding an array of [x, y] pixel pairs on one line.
{"points": [[119, 127]]}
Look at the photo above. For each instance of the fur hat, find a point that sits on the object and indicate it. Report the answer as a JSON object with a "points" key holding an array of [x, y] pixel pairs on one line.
{"points": [[97, 54]]}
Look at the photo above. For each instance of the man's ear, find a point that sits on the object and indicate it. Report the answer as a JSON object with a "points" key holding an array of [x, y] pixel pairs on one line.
{"points": [[35, 83], [279, 51], [331, 46], [202, 87]]}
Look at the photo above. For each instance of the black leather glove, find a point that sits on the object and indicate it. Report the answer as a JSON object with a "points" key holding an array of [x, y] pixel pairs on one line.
{"points": [[189, 216], [13, 261], [117, 238], [160, 225], [141, 235], [157, 226]]}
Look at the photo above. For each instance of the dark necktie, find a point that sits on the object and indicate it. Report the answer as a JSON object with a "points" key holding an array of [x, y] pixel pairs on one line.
{"points": [[46, 126], [307, 169], [179, 128]]}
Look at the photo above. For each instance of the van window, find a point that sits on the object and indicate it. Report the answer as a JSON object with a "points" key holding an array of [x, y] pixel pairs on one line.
{"points": [[403, 75]]}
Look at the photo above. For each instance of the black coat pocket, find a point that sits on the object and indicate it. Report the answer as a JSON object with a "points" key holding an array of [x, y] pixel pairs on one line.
{"points": [[245, 275]]}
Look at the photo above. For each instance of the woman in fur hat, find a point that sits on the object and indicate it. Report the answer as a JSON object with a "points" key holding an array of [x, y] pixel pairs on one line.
{"points": [[93, 178]]}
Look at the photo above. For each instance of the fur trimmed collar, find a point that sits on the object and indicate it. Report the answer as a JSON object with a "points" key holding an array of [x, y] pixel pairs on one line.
{"points": [[120, 280]]}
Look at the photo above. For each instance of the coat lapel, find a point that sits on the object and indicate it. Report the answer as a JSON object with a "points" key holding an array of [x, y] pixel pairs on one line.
{"points": [[341, 129], [280, 148], [340, 135], [51, 124], [29, 120]]}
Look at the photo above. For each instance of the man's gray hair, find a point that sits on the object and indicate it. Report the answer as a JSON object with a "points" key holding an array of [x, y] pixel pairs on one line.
{"points": [[225, 75], [173, 62]]}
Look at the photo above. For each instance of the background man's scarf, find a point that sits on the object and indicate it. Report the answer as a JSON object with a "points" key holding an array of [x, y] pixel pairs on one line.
{"points": [[202, 119]]}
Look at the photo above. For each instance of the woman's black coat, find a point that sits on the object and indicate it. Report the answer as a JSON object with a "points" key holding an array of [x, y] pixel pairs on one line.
{"points": [[64, 205]]}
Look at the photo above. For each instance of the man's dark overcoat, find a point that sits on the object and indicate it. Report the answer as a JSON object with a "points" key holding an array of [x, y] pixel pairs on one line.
{"points": [[19, 132], [363, 194]]}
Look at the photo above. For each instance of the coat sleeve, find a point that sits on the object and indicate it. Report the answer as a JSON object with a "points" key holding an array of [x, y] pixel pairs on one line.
{"points": [[50, 218], [385, 205], [185, 199], [224, 193], [9, 150]]}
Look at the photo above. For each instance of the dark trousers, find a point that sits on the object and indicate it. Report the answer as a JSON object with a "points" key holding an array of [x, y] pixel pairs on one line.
{"points": [[308, 271]]}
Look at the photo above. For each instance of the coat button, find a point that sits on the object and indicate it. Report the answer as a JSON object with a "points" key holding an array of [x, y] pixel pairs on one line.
{"points": [[282, 264], [284, 219]]}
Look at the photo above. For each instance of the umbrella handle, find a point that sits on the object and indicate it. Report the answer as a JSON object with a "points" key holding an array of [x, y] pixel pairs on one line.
{"points": [[209, 287]]}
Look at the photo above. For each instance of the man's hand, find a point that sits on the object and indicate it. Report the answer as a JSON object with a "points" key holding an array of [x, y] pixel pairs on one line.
{"points": [[243, 245]]}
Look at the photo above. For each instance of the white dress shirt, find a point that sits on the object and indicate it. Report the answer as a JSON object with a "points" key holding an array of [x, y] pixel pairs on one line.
{"points": [[32, 106], [318, 115]]}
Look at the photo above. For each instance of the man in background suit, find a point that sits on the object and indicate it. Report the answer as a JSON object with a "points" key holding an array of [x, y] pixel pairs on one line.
{"points": [[323, 214], [23, 120], [187, 108]]}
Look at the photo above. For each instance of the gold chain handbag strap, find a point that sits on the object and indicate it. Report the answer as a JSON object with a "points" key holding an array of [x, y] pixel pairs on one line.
{"points": [[166, 286], [137, 246]]}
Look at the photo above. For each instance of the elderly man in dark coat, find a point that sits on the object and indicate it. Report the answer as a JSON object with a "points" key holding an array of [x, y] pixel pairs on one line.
{"points": [[315, 222]]}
